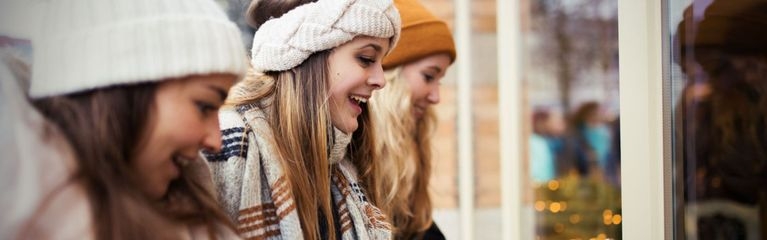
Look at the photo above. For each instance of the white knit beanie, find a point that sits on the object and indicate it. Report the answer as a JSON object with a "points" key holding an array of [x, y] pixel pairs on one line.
{"points": [[285, 42], [89, 44]]}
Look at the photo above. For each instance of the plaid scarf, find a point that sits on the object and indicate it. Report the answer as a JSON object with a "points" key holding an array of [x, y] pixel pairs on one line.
{"points": [[252, 186]]}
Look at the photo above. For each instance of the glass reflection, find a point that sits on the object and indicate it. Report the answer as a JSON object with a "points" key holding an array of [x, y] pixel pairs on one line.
{"points": [[721, 120]]}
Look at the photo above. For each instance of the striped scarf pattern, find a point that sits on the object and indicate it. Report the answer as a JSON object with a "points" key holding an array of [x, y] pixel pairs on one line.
{"points": [[254, 191]]}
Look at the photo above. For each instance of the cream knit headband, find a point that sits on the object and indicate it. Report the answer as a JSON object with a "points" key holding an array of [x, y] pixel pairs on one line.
{"points": [[283, 43]]}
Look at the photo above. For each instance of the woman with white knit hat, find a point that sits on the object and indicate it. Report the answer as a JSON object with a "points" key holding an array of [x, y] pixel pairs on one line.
{"points": [[295, 127], [133, 86], [398, 180]]}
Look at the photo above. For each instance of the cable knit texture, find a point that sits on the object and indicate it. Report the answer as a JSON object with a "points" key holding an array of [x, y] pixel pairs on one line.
{"points": [[255, 192], [88, 44], [283, 43]]}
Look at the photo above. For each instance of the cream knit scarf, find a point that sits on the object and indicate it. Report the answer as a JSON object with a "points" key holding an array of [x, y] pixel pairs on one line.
{"points": [[252, 187]]}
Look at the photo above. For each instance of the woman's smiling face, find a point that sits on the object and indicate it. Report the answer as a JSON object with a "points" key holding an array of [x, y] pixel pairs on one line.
{"points": [[184, 121], [355, 71]]}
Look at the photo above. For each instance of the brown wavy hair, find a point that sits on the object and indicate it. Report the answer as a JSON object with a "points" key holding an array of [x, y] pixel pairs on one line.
{"points": [[105, 127]]}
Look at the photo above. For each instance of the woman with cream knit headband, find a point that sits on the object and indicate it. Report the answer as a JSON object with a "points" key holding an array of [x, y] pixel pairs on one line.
{"points": [[127, 93], [294, 127], [398, 179]]}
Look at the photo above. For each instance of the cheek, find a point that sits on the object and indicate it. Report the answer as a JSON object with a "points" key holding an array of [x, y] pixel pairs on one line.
{"points": [[146, 159], [178, 122], [341, 115], [182, 127], [418, 91], [158, 148], [339, 92], [180, 130], [150, 166], [189, 133], [335, 100], [349, 79], [415, 83], [337, 108]]}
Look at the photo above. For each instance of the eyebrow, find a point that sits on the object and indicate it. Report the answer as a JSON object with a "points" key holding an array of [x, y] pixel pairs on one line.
{"points": [[377, 47], [439, 70], [221, 92]]}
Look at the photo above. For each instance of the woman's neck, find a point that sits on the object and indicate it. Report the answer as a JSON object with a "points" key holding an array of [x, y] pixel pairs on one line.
{"points": [[340, 141]]}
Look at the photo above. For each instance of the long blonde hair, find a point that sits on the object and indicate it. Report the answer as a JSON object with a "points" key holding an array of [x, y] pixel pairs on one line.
{"points": [[398, 179], [299, 116]]}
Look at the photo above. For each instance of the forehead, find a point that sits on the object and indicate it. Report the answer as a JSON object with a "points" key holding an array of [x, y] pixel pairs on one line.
{"points": [[441, 60], [436, 63], [361, 42]]}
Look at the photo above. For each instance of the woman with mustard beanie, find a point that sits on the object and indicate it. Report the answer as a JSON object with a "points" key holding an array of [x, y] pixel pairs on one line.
{"points": [[127, 93], [403, 114], [294, 128]]}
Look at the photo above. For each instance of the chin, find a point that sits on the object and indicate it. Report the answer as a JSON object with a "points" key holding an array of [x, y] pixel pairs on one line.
{"points": [[158, 193], [348, 130], [349, 127]]}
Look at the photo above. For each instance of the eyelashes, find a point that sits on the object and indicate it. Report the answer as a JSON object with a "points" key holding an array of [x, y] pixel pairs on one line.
{"points": [[206, 109], [427, 77], [365, 61]]}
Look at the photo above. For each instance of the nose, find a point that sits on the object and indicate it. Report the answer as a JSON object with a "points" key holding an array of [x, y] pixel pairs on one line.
{"points": [[376, 78], [211, 142], [433, 96]]}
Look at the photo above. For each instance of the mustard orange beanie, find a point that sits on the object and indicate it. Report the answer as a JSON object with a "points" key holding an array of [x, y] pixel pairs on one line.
{"points": [[423, 34]]}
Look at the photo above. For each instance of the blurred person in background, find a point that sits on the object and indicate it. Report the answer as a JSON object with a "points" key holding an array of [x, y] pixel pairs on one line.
{"points": [[403, 113], [546, 144], [588, 143], [126, 102], [723, 124], [295, 127]]}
